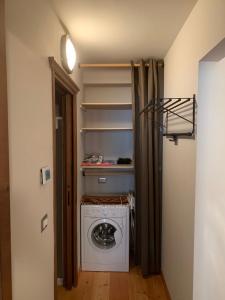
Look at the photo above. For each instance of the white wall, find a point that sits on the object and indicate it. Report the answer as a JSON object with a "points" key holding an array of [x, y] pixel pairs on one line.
{"points": [[203, 30], [210, 205], [33, 34]]}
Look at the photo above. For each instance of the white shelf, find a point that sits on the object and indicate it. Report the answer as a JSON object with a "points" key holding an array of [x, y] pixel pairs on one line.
{"points": [[107, 106], [105, 129], [107, 170], [109, 84], [113, 167]]}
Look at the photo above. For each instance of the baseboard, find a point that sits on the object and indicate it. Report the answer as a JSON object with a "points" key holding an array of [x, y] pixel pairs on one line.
{"points": [[165, 286]]}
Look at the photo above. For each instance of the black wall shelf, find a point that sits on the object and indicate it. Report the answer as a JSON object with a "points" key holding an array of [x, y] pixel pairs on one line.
{"points": [[167, 107]]}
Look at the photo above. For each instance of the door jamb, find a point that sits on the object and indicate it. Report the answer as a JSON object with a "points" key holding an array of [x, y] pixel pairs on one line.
{"points": [[5, 232], [68, 84]]}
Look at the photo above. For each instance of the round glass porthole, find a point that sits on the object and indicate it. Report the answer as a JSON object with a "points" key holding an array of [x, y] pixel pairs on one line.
{"points": [[103, 236]]}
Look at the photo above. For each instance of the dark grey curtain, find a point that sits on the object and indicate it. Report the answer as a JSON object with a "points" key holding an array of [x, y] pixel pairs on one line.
{"points": [[147, 86]]}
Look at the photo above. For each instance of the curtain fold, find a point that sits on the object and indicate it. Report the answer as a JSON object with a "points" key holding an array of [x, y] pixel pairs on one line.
{"points": [[148, 163]]}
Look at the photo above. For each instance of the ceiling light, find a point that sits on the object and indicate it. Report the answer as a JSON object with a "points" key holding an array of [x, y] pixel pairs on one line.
{"points": [[68, 53]]}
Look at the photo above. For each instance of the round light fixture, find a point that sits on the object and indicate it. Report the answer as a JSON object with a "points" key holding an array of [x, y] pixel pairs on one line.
{"points": [[68, 53]]}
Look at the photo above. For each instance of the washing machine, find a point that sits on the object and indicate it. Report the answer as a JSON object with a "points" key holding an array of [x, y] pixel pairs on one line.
{"points": [[105, 237]]}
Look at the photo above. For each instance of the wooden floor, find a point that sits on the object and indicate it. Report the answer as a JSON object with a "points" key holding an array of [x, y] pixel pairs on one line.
{"points": [[115, 286]]}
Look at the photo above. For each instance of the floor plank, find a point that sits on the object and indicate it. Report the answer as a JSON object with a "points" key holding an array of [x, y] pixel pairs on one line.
{"points": [[119, 286], [100, 289], [115, 286]]}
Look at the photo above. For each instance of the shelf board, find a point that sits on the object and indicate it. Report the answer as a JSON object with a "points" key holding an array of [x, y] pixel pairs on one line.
{"points": [[107, 170], [107, 84], [106, 194], [105, 129], [113, 167], [107, 106]]}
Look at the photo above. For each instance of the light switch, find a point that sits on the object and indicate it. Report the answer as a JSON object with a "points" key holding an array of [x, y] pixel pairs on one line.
{"points": [[44, 222], [45, 175]]}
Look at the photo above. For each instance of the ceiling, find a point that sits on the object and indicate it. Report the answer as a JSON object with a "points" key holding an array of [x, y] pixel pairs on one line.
{"points": [[108, 31]]}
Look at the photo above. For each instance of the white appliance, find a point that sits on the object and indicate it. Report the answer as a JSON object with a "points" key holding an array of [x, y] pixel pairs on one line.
{"points": [[105, 237]]}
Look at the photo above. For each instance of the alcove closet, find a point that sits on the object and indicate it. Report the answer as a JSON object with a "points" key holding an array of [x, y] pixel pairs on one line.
{"points": [[108, 165]]}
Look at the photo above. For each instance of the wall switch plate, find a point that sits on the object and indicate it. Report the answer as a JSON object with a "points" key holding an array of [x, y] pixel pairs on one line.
{"points": [[44, 222], [45, 175], [102, 179]]}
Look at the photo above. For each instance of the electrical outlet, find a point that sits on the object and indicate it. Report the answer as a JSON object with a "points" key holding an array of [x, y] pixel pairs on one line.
{"points": [[102, 180]]}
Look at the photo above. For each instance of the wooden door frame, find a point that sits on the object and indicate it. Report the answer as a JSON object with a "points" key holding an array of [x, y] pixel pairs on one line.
{"points": [[68, 228], [5, 233], [58, 75]]}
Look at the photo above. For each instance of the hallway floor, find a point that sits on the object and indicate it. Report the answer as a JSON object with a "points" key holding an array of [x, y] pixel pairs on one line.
{"points": [[115, 286]]}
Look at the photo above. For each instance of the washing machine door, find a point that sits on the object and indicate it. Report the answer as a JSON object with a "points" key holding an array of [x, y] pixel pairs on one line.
{"points": [[105, 234]]}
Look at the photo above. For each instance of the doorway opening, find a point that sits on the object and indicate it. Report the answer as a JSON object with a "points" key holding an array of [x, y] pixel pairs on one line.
{"points": [[64, 186], [210, 172], [65, 178]]}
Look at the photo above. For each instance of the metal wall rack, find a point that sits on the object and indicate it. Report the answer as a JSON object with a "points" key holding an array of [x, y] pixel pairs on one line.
{"points": [[166, 107]]}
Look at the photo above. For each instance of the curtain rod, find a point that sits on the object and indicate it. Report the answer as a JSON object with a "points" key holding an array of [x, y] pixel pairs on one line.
{"points": [[160, 64]]}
